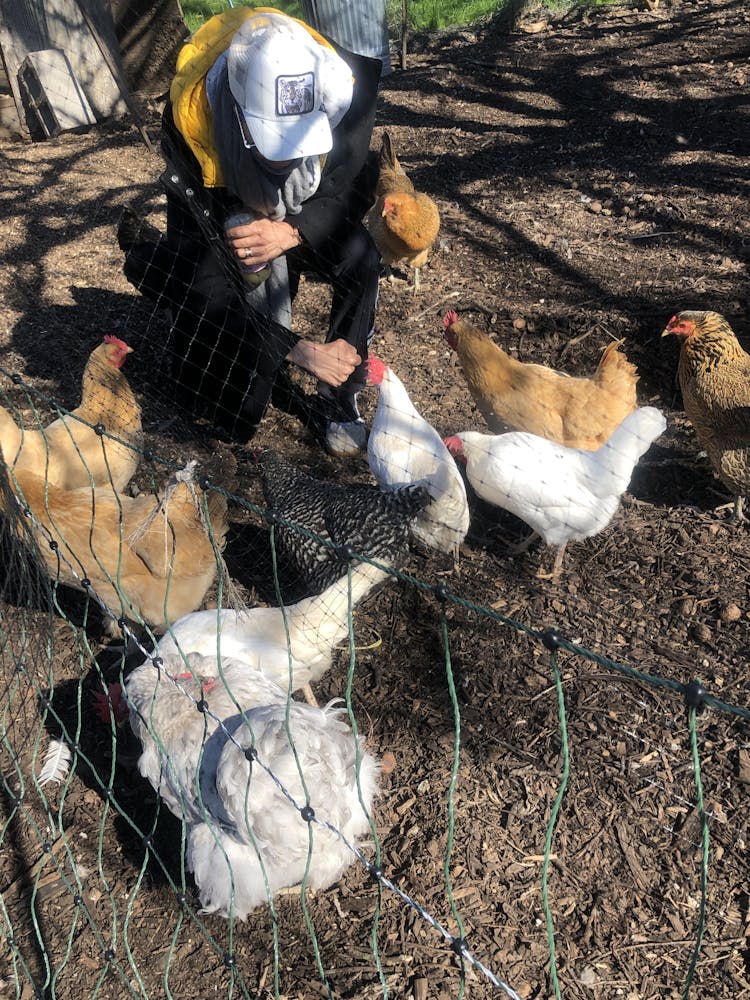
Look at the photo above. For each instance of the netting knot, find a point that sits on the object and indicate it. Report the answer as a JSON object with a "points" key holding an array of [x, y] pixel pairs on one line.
{"points": [[458, 944], [201, 705], [228, 960], [148, 454], [251, 754], [695, 694], [53, 545], [78, 899], [85, 582], [100, 429], [307, 813], [146, 840], [347, 552], [376, 873], [271, 516], [122, 624], [16, 378], [551, 638], [158, 662], [441, 592], [181, 898], [109, 954]]}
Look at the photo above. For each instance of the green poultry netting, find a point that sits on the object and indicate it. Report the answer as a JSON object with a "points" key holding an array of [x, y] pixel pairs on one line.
{"points": [[98, 894]]}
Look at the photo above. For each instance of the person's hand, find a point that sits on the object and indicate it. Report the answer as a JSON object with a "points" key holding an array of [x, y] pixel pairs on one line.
{"points": [[258, 242], [332, 363]]}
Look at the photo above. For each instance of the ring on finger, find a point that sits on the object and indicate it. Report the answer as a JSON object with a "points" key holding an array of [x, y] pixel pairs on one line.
{"points": [[248, 254]]}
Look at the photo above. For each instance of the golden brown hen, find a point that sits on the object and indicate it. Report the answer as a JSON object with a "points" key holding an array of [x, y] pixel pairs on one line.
{"points": [[148, 559], [69, 453], [512, 395], [403, 222], [714, 376]]}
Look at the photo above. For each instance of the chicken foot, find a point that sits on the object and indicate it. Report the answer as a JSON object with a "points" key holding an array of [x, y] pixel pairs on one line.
{"points": [[557, 566]]}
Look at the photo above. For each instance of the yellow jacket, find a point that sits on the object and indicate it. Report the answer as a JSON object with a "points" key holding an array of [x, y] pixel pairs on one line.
{"points": [[190, 108]]}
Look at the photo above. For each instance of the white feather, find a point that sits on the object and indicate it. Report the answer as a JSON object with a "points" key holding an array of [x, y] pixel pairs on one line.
{"points": [[404, 448], [562, 493], [236, 815], [56, 763]]}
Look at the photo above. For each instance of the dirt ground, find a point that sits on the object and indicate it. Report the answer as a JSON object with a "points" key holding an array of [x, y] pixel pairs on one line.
{"points": [[592, 172]]}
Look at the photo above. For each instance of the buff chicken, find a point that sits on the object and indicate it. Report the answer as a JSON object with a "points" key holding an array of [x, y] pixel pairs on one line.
{"points": [[562, 493], [69, 452], [327, 519], [714, 376], [150, 560], [404, 223], [513, 395], [215, 770], [404, 449]]}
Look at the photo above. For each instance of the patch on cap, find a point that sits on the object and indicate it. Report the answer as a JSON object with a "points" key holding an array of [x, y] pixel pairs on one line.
{"points": [[295, 95]]}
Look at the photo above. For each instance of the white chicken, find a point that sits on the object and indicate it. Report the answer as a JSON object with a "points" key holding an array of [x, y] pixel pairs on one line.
{"points": [[300, 638], [404, 449], [562, 493], [241, 828]]}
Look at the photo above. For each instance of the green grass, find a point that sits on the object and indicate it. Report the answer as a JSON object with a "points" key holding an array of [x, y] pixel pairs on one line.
{"points": [[197, 11], [424, 15]]}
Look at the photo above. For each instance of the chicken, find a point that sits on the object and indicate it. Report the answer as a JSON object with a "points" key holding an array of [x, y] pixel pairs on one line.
{"points": [[149, 560], [360, 518], [292, 646], [241, 828], [404, 449], [69, 453], [562, 493], [403, 222], [714, 376], [513, 395]]}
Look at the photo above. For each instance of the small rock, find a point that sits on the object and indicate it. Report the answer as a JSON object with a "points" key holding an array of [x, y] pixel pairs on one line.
{"points": [[388, 762], [703, 633], [688, 607], [519, 323], [595, 207], [730, 613]]}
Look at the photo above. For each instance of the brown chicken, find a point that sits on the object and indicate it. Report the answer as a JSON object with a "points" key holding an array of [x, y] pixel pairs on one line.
{"points": [[512, 395], [403, 222], [148, 559], [68, 453], [714, 376]]}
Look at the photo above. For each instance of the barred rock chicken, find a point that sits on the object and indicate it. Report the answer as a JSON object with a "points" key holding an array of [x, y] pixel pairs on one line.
{"points": [[371, 523], [240, 825], [292, 646], [69, 453], [513, 395], [714, 376], [562, 493], [148, 559], [403, 222], [404, 449]]}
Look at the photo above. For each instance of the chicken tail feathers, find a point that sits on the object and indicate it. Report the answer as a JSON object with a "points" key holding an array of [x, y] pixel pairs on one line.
{"points": [[616, 373], [388, 158]]}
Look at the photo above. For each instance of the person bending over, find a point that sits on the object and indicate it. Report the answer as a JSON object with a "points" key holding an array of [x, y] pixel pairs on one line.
{"points": [[266, 138]]}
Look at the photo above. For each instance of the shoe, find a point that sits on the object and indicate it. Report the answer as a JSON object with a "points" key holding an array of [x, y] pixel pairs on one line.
{"points": [[345, 439], [132, 229]]}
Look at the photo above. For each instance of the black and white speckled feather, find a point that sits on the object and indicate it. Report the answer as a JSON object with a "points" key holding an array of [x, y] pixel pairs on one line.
{"points": [[371, 522]]}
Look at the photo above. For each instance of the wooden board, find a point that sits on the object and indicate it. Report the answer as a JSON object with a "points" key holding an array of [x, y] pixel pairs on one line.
{"points": [[36, 25]]}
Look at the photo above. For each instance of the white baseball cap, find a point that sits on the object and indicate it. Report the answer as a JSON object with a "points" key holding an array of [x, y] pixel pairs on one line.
{"points": [[274, 68]]}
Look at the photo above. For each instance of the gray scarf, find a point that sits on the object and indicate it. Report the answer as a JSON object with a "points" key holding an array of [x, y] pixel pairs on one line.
{"points": [[264, 195]]}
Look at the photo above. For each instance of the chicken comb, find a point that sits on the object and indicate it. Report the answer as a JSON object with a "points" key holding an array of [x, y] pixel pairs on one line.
{"points": [[450, 318], [376, 370], [454, 444], [110, 338]]}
